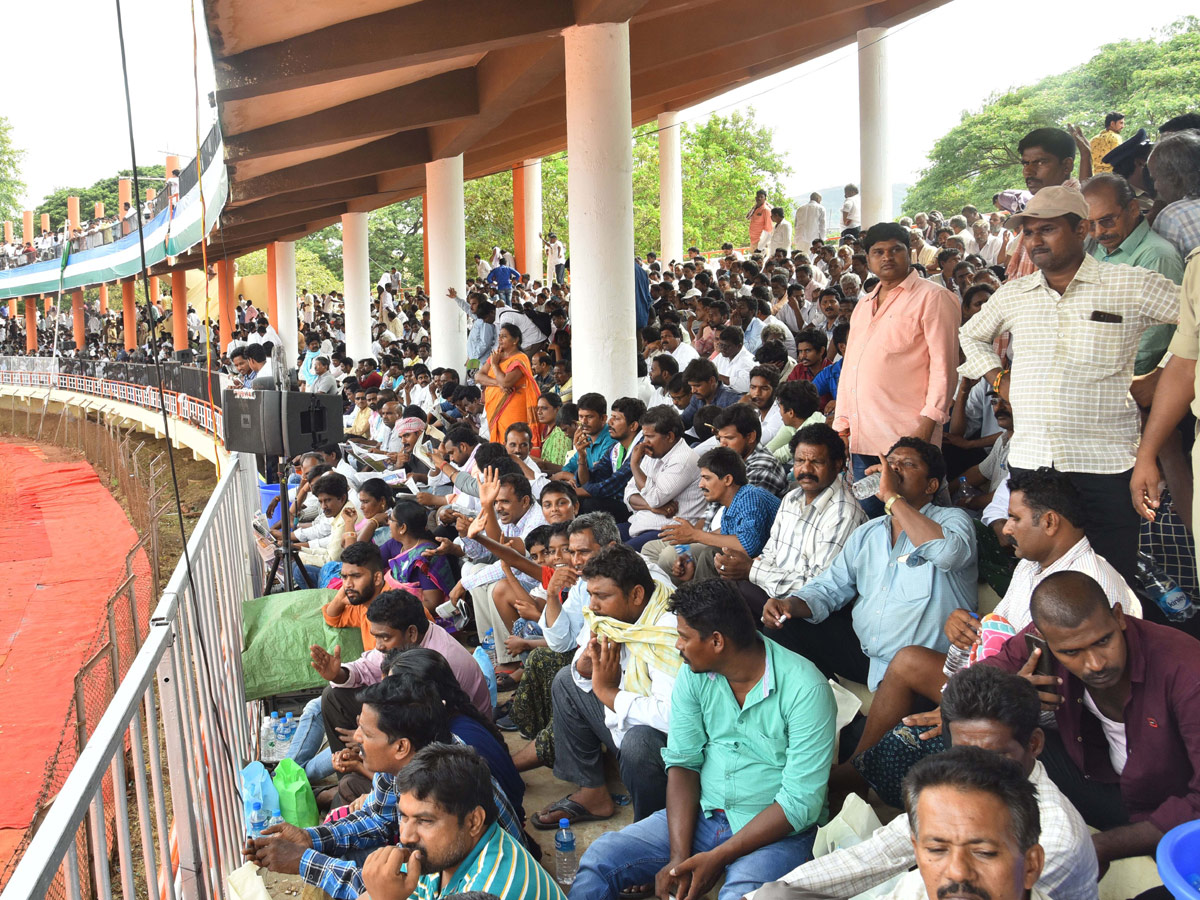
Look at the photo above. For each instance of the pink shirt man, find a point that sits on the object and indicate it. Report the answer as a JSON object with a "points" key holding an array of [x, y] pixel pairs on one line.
{"points": [[368, 668], [901, 364]]}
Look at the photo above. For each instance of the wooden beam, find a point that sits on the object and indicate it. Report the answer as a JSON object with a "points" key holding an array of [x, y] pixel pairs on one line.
{"points": [[296, 203], [407, 36], [432, 101], [276, 224], [398, 151]]}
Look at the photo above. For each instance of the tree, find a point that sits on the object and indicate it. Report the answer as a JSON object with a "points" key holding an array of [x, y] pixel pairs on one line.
{"points": [[11, 185], [104, 191], [1148, 80]]}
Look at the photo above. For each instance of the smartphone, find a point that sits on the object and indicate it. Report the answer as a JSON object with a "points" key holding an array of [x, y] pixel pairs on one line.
{"points": [[1045, 661]]}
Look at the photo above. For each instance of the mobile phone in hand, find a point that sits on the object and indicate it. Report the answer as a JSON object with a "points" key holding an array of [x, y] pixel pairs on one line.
{"points": [[1045, 662]]}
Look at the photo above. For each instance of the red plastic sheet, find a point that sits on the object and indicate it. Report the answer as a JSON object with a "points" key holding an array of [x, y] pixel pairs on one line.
{"points": [[63, 542]]}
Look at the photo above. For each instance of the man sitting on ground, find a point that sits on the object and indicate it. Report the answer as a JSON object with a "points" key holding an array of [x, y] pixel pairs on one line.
{"points": [[1126, 697], [450, 840], [981, 707], [899, 575], [666, 478], [701, 376], [752, 737], [616, 694]]}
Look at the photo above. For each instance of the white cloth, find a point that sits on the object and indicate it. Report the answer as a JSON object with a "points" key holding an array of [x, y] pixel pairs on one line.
{"points": [[852, 212], [737, 370], [781, 238]]}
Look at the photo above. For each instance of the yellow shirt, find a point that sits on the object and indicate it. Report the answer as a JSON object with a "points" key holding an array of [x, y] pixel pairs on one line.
{"points": [[1102, 144]]}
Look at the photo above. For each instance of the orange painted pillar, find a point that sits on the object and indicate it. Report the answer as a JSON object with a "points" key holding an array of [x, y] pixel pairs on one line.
{"points": [[103, 299], [124, 196], [224, 302], [73, 213], [12, 309], [272, 288], [151, 193], [8, 232], [172, 163], [179, 326], [519, 248], [425, 238], [45, 223], [129, 314], [30, 324], [77, 320], [27, 226]]}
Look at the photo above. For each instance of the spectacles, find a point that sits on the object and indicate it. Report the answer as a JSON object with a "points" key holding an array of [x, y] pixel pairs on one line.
{"points": [[1106, 222]]}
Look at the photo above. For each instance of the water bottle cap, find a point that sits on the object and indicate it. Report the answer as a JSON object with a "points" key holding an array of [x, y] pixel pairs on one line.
{"points": [[256, 806], [489, 631], [274, 715], [564, 823], [288, 717]]}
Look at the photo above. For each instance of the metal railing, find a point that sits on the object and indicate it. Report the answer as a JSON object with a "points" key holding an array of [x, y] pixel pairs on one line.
{"points": [[179, 836]]}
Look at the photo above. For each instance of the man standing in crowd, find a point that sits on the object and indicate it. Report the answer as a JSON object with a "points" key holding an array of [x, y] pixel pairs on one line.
{"points": [[810, 223], [1078, 323], [1106, 141], [851, 212]]}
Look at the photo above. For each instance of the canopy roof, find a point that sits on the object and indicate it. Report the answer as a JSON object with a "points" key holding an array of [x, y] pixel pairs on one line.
{"points": [[335, 107]]}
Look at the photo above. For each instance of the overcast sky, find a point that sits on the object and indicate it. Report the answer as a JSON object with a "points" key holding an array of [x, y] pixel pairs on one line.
{"points": [[71, 118]]}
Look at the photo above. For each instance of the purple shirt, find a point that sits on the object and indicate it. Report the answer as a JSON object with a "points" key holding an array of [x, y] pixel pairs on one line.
{"points": [[1161, 780], [368, 668]]}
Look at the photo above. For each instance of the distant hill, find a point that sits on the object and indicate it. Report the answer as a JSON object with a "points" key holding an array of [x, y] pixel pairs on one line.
{"points": [[832, 199]]}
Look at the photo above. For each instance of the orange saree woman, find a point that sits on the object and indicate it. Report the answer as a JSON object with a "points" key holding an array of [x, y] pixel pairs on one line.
{"points": [[510, 392]]}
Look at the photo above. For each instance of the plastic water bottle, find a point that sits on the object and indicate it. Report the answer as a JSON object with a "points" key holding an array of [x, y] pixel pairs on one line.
{"points": [[963, 491], [258, 819], [566, 860], [1162, 589], [289, 726], [683, 551], [276, 726], [867, 486], [489, 645]]}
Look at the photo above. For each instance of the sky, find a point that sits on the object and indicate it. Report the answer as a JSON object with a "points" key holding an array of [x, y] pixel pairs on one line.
{"points": [[812, 107]]}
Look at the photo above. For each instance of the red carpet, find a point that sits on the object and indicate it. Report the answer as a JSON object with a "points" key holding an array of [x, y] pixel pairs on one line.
{"points": [[63, 540]]}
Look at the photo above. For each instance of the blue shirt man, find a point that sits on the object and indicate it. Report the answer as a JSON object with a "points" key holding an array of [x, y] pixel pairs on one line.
{"points": [[503, 277]]}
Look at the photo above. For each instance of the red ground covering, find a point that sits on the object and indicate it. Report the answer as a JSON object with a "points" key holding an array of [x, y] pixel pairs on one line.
{"points": [[63, 541]]}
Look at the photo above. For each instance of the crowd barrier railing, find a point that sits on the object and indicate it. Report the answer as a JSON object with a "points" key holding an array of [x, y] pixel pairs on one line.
{"points": [[181, 835]]}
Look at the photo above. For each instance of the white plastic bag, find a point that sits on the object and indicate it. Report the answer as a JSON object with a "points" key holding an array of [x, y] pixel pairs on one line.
{"points": [[246, 884]]}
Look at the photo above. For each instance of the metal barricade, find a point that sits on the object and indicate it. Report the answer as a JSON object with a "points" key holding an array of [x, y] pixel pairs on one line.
{"points": [[187, 679]]}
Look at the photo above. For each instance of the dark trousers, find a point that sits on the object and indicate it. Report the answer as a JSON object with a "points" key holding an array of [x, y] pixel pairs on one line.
{"points": [[832, 646], [636, 541], [614, 507], [1112, 524], [580, 736], [1100, 804], [340, 709]]}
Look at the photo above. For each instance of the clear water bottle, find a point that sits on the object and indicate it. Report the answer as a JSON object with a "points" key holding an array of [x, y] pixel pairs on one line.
{"points": [[963, 491], [489, 645], [956, 658], [866, 486], [258, 819], [1162, 589], [289, 726], [566, 859], [277, 726]]}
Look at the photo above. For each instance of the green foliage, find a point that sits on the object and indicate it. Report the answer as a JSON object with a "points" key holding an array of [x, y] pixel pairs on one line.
{"points": [[489, 213], [104, 191], [253, 263], [312, 273], [1149, 80], [11, 185]]}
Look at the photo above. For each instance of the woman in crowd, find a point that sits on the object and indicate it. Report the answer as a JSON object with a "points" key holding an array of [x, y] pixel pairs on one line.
{"points": [[510, 390]]}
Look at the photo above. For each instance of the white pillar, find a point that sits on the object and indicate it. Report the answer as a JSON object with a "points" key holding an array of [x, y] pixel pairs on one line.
{"points": [[875, 182], [356, 285], [670, 188], [600, 209], [533, 216], [447, 262], [285, 300]]}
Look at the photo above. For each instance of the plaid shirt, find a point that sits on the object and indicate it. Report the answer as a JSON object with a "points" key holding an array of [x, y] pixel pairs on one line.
{"points": [[1179, 223], [763, 470], [805, 538], [1071, 373], [374, 825]]}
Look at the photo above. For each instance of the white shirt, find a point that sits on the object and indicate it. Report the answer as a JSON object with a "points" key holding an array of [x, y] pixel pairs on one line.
{"points": [[1114, 734], [771, 424], [990, 249], [852, 212], [530, 334], [781, 238], [482, 268], [676, 476], [556, 254], [684, 354], [810, 224], [737, 370]]}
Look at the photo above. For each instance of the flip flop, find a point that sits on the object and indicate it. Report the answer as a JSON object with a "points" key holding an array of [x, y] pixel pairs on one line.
{"points": [[575, 812]]}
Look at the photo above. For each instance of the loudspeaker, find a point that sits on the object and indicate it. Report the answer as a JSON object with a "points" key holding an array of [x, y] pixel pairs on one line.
{"points": [[310, 421], [280, 423]]}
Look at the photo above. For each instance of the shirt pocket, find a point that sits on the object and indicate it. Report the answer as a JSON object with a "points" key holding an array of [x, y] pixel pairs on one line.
{"points": [[912, 585], [1097, 349], [899, 332]]}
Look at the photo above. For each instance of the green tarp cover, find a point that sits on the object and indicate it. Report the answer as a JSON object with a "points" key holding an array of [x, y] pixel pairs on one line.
{"points": [[277, 631]]}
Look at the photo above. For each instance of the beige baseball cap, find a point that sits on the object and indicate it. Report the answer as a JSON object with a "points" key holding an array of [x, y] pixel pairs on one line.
{"points": [[1050, 203]]}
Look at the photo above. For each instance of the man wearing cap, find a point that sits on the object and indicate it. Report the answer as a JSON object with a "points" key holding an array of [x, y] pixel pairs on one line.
{"points": [[1077, 323], [1129, 161], [1106, 141]]}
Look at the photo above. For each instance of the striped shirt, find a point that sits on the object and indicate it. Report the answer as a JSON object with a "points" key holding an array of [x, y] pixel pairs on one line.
{"points": [[497, 865], [763, 470], [1070, 377], [1179, 223], [805, 538]]}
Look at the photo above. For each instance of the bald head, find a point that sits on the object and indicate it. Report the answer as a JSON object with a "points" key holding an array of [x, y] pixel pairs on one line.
{"points": [[1066, 600]]}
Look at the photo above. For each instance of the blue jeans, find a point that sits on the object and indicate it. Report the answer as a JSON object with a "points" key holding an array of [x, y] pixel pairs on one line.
{"points": [[306, 743], [858, 465], [635, 854], [636, 541]]}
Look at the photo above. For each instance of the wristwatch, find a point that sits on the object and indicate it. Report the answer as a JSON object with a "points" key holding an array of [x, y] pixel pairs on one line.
{"points": [[891, 501]]}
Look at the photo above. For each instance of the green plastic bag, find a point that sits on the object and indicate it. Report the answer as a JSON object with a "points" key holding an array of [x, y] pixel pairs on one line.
{"points": [[296, 801]]}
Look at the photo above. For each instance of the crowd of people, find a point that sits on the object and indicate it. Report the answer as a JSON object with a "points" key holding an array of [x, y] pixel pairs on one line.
{"points": [[943, 459]]}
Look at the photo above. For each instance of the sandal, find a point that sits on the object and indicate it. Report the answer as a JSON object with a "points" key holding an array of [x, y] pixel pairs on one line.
{"points": [[574, 812]]}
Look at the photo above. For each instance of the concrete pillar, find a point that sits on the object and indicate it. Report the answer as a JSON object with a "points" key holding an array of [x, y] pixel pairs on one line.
{"points": [[45, 223], [225, 316], [172, 163], [179, 326], [8, 232], [425, 240], [77, 320], [73, 213], [129, 314], [670, 188], [27, 226], [446, 261], [103, 299], [31, 341], [124, 195], [285, 291], [356, 278], [875, 179], [527, 223], [12, 309], [600, 209], [272, 288]]}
